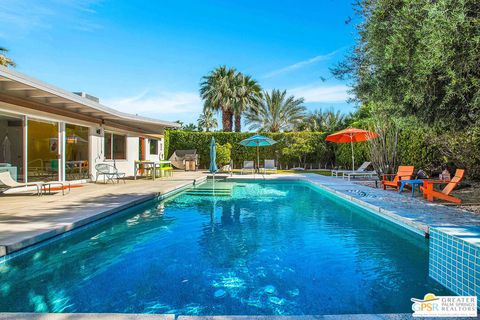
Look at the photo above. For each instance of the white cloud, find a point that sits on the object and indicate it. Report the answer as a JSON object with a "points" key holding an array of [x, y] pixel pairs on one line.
{"points": [[20, 17], [322, 93], [300, 64], [158, 103]]}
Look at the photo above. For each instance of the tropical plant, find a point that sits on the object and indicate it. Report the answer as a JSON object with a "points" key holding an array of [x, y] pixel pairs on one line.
{"points": [[323, 121], [276, 112], [190, 127], [207, 120], [224, 154], [4, 60], [247, 96], [298, 149], [217, 89]]}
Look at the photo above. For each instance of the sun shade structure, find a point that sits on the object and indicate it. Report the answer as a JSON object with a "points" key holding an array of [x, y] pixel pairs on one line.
{"points": [[258, 141], [213, 157], [351, 135]]}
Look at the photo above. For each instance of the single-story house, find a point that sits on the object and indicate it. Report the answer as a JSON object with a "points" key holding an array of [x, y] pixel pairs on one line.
{"points": [[47, 133]]}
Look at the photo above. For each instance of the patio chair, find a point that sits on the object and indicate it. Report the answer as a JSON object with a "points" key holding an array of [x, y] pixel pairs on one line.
{"points": [[269, 165], [109, 173], [7, 181], [430, 193], [403, 173], [248, 166], [362, 168], [369, 174]]}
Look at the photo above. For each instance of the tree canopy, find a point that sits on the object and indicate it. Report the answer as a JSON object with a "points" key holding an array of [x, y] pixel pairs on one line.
{"points": [[423, 57]]}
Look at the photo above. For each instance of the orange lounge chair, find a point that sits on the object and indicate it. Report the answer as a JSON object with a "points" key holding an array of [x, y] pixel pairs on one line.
{"points": [[430, 193], [403, 173]]}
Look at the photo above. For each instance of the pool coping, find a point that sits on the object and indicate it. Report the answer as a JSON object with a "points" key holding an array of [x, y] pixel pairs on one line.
{"points": [[11, 250], [416, 227], [131, 316], [409, 213]]}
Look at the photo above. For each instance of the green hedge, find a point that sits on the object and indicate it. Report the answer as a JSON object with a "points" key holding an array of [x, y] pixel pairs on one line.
{"points": [[421, 146], [178, 140]]}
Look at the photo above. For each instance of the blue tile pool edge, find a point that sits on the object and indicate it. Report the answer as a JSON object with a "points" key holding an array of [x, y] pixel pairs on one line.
{"points": [[98, 219]]}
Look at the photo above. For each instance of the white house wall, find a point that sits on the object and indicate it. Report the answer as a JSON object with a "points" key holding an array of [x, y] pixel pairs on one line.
{"points": [[96, 139]]}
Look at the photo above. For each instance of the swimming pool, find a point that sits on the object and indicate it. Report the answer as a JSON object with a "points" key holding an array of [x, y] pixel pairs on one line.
{"points": [[268, 248]]}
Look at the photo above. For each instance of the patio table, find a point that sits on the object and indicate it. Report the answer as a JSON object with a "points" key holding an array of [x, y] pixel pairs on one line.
{"points": [[148, 164], [413, 182], [161, 165], [164, 166]]}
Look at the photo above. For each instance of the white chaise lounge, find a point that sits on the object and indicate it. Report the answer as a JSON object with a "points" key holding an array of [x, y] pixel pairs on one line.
{"points": [[269, 165], [248, 166]]}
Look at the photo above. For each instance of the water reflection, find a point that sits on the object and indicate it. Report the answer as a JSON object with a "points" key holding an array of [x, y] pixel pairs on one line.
{"points": [[268, 249]]}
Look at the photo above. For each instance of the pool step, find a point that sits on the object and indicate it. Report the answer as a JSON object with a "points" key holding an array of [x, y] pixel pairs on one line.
{"points": [[207, 189]]}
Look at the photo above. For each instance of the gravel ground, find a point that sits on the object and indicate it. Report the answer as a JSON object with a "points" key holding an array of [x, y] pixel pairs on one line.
{"points": [[468, 191]]}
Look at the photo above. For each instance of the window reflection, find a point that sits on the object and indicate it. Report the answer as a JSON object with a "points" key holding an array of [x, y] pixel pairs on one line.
{"points": [[11, 145], [43, 150], [115, 146], [76, 156]]}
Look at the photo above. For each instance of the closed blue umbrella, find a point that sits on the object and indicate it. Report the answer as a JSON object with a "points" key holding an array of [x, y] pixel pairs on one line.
{"points": [[213, 157], [258, 141]]}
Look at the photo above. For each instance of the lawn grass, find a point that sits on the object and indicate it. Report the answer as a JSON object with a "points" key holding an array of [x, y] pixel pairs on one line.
{"points": [[321, 172]]}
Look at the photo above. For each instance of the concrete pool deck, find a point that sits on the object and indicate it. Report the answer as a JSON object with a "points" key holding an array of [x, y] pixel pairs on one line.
{"points": [[415, 214], [27, 219]]}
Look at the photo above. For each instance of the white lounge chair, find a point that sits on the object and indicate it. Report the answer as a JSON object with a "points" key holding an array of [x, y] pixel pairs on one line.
{"points": [[269, 165], [370, 174], [362, 168], [248, 166], [7, 181]]}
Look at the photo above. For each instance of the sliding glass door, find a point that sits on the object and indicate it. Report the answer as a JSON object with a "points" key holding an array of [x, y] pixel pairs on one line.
{"points": [[11, 145], [43, 150], [76, 152]]}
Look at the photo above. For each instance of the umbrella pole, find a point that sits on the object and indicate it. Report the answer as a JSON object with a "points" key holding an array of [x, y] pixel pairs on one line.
{"points": [[258, 160], [353, 156]]}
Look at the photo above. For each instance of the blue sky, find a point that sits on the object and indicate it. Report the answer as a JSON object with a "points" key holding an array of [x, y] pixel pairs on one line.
{"points": [[148, 57]]}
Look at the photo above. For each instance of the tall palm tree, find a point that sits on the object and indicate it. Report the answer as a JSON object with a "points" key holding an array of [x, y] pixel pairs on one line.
{"points": [[323, 121], [207, 120], [218, 90], [276, 112], [247, 96], [4, 60]]}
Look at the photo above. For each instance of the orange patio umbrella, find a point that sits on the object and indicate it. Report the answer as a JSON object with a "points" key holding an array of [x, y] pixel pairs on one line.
{"points": [[351, 135]]}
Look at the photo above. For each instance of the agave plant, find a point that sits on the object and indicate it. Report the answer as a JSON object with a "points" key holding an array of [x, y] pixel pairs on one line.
{"points": [[276, 112]]}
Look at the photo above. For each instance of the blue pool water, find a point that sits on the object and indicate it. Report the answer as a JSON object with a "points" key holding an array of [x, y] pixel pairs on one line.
{"points": [[270, 248]]}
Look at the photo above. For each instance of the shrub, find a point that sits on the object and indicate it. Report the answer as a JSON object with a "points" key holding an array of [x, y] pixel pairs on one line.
{"points": [[224, 154]]}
